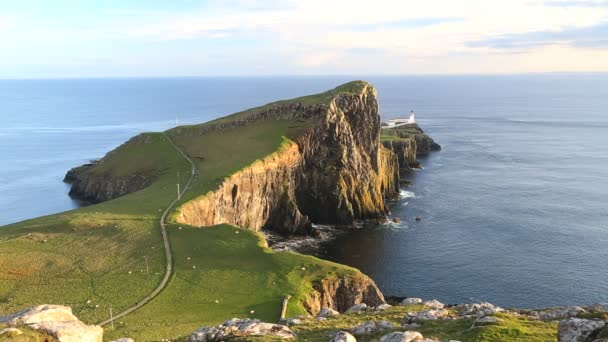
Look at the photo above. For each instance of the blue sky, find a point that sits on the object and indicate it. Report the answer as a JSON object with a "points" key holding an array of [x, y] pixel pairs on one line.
{"points": [[42, 39]]}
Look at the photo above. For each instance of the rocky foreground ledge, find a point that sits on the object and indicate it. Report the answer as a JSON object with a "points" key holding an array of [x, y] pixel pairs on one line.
{"points": [[411, 320]]}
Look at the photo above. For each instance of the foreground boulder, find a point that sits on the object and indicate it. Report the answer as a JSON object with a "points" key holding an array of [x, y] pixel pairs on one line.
{"points": [[479, 309], [434, 304], [578, 330], [559, 313], [407, 336], [327, 312], [411, 301], [343, 336], [372, 327], [357, 308], [240, 327], [425, 315], [56, 320]]}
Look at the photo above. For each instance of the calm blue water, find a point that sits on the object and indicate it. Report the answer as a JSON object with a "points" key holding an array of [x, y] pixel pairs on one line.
{"points": [[514, 208]]}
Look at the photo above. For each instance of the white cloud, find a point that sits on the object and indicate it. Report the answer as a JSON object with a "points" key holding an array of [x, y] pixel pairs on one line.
{"points": [[340, 36]]}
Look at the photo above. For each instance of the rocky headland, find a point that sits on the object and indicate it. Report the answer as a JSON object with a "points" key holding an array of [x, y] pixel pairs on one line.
{"points": [[341, 168]]}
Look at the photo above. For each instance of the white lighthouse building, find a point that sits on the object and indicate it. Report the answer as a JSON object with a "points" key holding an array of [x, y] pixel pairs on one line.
{"points": [[400, 122], [412, 119]]}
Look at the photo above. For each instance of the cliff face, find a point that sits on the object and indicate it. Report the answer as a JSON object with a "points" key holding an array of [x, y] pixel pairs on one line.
{"points": [[408, 142], [337, 172], [346, 173], [405, 150], [342, 293], [261, 195]]}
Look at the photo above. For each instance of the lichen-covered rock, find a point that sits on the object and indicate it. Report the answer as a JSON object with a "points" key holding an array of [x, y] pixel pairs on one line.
{"points": [[344, 336], [600, 307], [57, 321], [357, 308], [411, 301], [485, 320], [383, 307], [407, 336], [577, 329], [433, 304], [294, 321], [425, 315], [372, 327], [558, 313], [327, 312], [240, 327], [478, 309]]}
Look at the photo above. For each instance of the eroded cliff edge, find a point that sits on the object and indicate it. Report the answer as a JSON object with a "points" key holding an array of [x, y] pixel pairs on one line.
{"points": [[336, 169], [334, 172]]}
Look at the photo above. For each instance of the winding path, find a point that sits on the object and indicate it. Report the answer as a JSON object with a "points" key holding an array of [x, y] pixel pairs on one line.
{"points": [[167, 245]]}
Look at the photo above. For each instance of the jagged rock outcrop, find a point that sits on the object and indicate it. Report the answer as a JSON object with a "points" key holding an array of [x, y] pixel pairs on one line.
{"points": [[579, 330], [335, 173], [259, 196], [405, 150], [346, 173], [408, 142], [56, 320], [342, 293], [238, 328], [93, 183]]}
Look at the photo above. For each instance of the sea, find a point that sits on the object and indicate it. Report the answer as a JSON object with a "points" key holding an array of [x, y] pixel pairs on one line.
{"points": [[514, 208]]}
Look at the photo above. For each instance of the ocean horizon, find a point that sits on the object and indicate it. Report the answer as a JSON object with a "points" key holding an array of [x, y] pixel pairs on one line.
{"points": [[513, 207]]}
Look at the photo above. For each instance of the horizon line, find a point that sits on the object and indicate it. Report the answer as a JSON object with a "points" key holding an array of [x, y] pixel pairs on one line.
{"points": [[301, 75]]}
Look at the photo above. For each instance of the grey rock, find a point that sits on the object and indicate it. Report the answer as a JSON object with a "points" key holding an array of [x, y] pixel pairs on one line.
{"points": [[382, 307], [577, 329], [425, 315], [327, 312], [240, 327], [294, 321], [558, 313], [357, 308], [407, 336], [124, 339], [478, 309], [411, 301], [58, 321], [600, 307], [434, 304], [344, 336], [372, 327], [485, 320]]}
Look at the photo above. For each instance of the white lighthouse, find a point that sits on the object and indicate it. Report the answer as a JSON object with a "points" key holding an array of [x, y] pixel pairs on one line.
{"points": [[412, 119]]}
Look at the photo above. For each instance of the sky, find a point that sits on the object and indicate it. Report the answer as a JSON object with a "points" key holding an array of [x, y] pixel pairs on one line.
{"points": [[147, 38]]}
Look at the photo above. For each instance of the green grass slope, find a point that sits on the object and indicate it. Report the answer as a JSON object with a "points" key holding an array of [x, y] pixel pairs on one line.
{"points": [[92, 258], [110, 255], [223, 272]]}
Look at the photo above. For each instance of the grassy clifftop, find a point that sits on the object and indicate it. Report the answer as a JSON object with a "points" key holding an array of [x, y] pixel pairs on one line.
{"points": [[110, 255]]}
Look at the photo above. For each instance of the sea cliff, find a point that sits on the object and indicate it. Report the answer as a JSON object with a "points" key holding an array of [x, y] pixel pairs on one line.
{"points": [[335, 170]]}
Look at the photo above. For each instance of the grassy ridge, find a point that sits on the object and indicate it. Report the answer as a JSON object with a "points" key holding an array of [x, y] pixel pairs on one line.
{"points": [[231, 266], [94, 258]]}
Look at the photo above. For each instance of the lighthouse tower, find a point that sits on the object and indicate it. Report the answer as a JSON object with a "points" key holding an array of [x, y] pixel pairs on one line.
{"points": [[412, 119]]}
